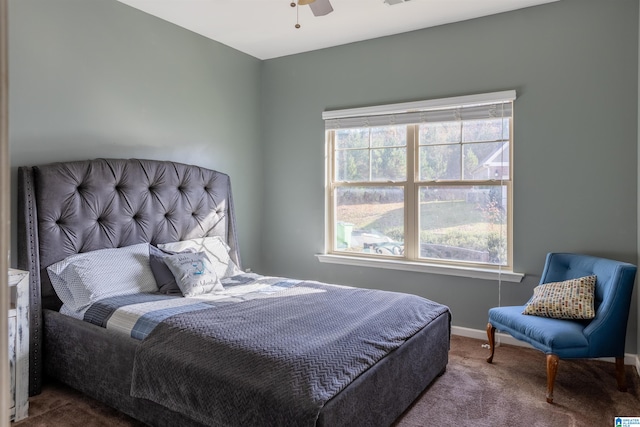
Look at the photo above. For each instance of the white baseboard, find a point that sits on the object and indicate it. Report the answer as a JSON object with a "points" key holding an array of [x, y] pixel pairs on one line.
{"points": [[482, 335], [629, 359]]}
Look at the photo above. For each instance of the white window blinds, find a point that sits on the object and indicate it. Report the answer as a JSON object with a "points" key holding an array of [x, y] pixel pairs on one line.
{"points": [[472, 107]]}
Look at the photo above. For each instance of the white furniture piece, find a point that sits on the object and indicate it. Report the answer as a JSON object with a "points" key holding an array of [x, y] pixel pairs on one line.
{"points": [[19, 344]]}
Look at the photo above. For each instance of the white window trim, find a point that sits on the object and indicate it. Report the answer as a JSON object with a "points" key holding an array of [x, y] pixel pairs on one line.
{"points": [[474, 272], [423, 267]]}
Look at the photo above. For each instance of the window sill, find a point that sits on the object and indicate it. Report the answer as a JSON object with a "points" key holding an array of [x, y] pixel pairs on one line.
{"points": [[448, 270]]}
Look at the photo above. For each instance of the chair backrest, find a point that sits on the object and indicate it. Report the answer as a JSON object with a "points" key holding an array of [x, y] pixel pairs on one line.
{"points": [[614, 286]]}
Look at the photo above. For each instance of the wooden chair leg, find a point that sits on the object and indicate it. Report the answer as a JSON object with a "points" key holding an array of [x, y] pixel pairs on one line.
{"points": [[491, 335], [552, 370], [620, 375]]}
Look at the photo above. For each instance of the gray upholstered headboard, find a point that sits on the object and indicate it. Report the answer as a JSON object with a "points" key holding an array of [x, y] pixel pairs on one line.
{"points": [[81, 206]]}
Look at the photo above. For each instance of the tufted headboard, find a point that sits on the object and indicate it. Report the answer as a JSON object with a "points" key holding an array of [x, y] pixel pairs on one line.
{"points": [[81, 206]]}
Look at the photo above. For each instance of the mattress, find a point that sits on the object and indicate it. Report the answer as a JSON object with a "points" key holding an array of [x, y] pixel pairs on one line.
{"points": [[265, 348]]}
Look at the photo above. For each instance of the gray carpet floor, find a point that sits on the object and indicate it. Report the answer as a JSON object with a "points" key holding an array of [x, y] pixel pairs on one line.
{"points": [[509, 392]]}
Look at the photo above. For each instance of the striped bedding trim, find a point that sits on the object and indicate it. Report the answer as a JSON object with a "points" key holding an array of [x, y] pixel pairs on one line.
{"points": [[137, 315]]}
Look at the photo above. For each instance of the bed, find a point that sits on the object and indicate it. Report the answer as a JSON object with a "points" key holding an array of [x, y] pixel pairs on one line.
{"points": [[309, 369]]}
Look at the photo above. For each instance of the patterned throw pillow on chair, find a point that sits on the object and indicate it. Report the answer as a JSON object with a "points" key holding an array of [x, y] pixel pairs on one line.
{"points": [[571, 299]]}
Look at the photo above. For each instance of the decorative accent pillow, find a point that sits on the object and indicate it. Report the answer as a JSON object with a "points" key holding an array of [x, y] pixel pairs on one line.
{"points": [[216, 249], [194, 273], [571, 299], [164, 277], [82, 279]]}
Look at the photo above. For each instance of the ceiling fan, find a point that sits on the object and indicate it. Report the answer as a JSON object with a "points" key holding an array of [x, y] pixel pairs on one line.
{"points": [[318, 7]]}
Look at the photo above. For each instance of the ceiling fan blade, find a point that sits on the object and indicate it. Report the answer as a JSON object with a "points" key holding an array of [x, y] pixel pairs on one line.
{"points": [[321, 7]]}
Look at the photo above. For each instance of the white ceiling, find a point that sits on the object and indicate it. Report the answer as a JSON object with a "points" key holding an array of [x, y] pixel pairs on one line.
{"points": [[265, 28]]}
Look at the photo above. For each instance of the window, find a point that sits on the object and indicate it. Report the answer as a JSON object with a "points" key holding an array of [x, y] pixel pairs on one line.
{"points": [[427, 181]]}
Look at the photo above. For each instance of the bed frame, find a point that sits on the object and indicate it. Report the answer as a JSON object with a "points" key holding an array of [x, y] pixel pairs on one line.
{"points": [[72, 207]]}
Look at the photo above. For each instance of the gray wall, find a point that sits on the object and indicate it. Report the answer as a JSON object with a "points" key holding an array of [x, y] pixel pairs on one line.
{"points": [[97, 78], [574, 65]]}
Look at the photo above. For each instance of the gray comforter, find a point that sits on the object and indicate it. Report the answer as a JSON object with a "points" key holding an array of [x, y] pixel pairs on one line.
{"points": [[276, 360]]}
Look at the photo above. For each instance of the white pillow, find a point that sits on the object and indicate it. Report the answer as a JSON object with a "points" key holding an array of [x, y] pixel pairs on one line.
{"points": [[82, 279], [216, 249], [194, 273], [63, 291]]}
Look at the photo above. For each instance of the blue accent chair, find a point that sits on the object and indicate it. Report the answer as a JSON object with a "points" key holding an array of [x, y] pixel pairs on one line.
{"points": [[602, 336]]}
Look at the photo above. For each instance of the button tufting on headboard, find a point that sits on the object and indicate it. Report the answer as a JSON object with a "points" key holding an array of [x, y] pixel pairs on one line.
{"points": [[81, 206], [168, 201]]}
